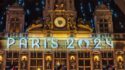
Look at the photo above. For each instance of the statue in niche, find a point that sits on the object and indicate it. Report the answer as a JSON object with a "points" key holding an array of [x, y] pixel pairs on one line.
{"points": [[82, 26], [73, 62], [15, 24], [47, 24], [40, 24], [72, 25], [24, 64], [120, 64], [59, 5], [48, 64], [96, 63]]}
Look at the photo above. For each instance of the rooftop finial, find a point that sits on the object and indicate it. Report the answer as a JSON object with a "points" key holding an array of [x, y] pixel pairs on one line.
{"points": [[16, 2]]}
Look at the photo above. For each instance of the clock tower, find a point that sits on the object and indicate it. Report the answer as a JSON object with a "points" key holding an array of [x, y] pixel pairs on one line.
{"points": [[103, 19], [60, 14], [15, 19]]}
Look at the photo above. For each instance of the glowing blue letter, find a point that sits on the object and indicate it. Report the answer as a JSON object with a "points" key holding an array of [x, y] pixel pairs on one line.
{"points": [[35, 42], [45, 43], [97, 43], [54, 43], [23, 42], [70, 42], [10, 41], [110, 43], [80, 42]]}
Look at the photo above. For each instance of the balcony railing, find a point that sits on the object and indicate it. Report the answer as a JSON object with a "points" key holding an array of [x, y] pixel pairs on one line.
{"points": [[115, 36]]}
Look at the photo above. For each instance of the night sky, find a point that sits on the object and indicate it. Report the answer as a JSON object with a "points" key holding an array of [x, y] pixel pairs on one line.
{"points": [[85, 8]]}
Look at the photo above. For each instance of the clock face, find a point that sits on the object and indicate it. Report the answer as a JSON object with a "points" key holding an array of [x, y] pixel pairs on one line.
{"points": [[60, 22]]}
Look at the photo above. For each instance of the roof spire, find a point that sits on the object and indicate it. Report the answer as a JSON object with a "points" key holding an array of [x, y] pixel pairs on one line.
{"points": [[16, 2]]}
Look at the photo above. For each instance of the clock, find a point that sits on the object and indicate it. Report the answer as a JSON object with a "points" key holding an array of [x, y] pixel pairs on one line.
{"points": [[60, 22]]}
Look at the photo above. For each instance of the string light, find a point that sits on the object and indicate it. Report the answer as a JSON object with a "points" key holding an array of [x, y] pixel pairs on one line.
{"points": [[1, 22], [37, 9], [89, 5], [121, 25], [28, 12], [21, 2]]}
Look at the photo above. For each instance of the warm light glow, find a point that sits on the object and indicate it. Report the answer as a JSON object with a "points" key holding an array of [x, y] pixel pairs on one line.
{"points": [[56, 5], [38, 69], [48, 58], [60, 35], [24, 58], [1, 58], [119, 58], [62, 5], [72, 57], [96, 58], [58, 63], [83, 35]]}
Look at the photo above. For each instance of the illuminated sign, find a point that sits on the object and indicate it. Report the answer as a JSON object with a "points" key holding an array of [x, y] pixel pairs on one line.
{"points": [[70, 43]]}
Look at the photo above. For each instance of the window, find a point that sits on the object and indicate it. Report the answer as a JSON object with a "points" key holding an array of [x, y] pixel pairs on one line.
{"points": [[33, 62], [9, 54], [63, 55], [87, 62], [60, 57], [104, 62], [87, 55], [15, 55], [84, 60], [81, 63], [12, 57], [110, 55], [103, 26], [104, 55], [107, 58], [36, 60], [80, 55], [124, 36]]}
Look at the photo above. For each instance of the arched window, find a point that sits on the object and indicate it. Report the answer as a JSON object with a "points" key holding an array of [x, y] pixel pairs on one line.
{"points": [[103, 26], [15, 25]]}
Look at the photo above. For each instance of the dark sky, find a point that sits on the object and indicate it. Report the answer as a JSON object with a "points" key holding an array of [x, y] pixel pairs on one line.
{"points": [[85, 8]]}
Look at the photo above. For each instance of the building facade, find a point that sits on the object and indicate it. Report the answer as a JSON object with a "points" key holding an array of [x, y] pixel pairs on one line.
{"points": [[61, 24]]}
